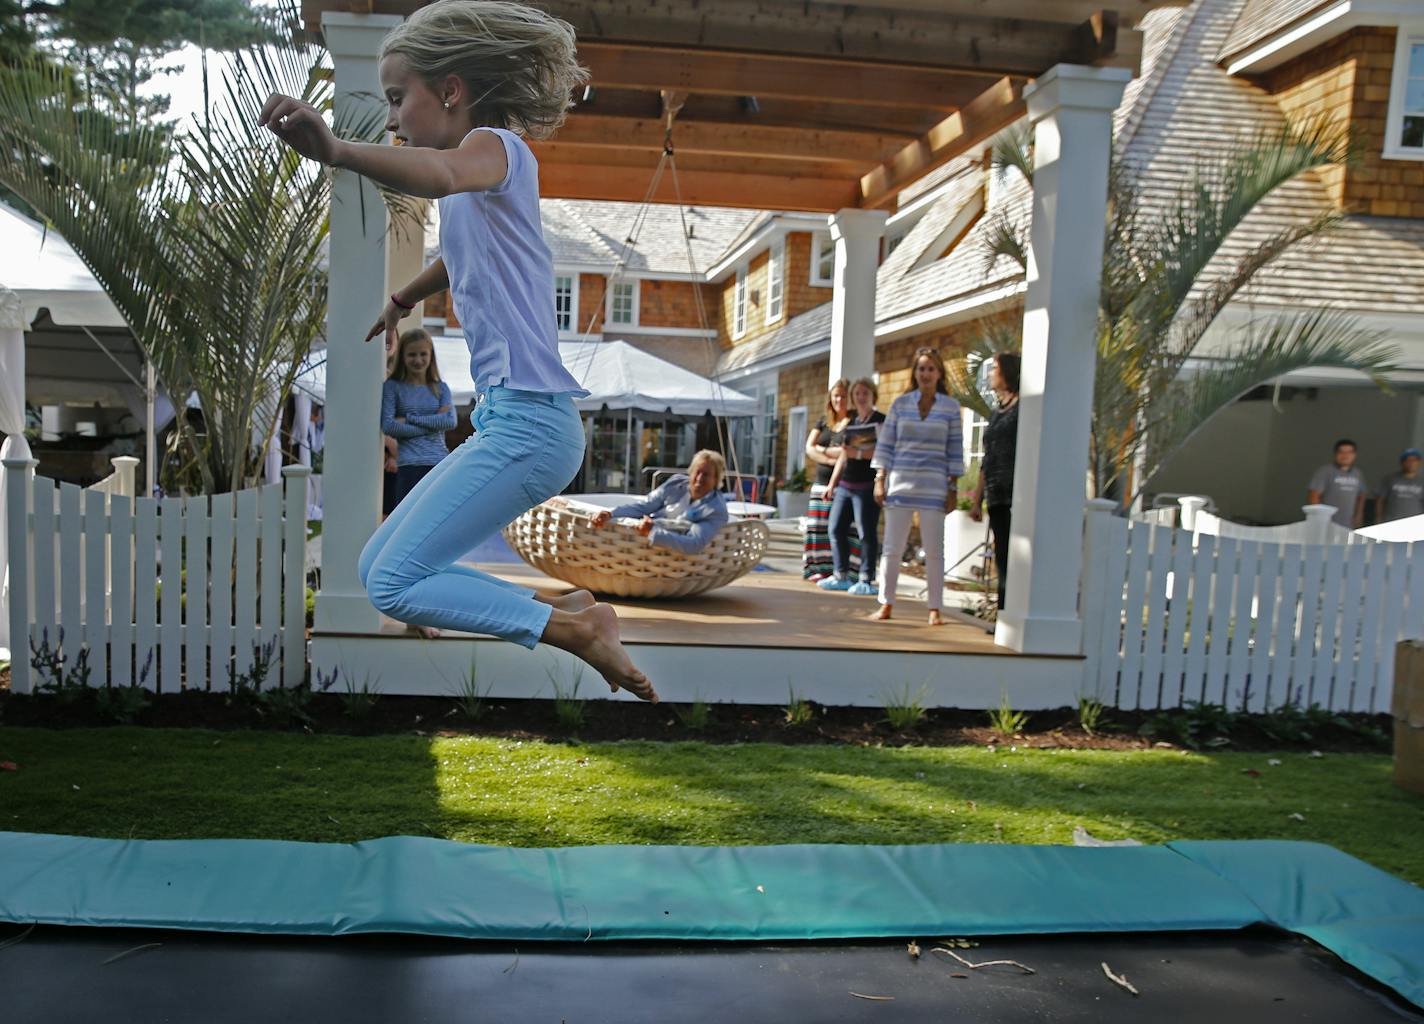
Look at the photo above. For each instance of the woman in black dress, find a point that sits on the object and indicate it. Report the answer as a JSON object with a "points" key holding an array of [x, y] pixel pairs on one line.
{"points": [[996, 474]]}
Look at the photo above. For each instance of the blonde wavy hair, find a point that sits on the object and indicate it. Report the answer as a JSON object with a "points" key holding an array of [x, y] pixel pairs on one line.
{"points": [[519, 63], [713, 459]]}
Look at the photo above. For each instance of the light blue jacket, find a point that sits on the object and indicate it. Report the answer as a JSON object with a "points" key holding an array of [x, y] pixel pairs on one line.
{"points": [[688, 533]]}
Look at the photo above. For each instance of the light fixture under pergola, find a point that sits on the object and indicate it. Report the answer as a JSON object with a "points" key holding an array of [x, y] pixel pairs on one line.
{"points": [[797, 104]]}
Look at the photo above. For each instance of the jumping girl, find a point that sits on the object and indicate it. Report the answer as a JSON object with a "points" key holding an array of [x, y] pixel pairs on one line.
{"points": [[466, 82]]}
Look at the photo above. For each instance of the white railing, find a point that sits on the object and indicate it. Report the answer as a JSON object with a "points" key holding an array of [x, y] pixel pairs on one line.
{"points": [[121, 480], [1317, 527], [169, 593], [1172, 616]]}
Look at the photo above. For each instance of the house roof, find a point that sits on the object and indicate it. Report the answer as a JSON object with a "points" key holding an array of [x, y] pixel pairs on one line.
{"points": [[603, 227], [1182, 111], [1261, 19]]}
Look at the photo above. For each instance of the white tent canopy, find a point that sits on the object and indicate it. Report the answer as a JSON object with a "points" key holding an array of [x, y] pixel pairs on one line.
{"points": [[617, 376], [40, 267]]}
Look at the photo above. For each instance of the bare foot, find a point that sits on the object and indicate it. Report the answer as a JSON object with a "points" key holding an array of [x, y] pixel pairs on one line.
{"points": [[575, 602], [881, 614], [592, 634], [935, 618], [428, 632]]}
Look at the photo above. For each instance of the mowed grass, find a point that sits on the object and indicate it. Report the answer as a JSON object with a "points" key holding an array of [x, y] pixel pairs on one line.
{"points": [[169, 784]]}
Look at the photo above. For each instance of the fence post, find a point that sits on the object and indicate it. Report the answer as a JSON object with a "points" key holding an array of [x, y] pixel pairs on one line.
{"points": [[1191, 505], [1092, 598], [124, 470], [294, 573], [19, 472], [1317, 523]]}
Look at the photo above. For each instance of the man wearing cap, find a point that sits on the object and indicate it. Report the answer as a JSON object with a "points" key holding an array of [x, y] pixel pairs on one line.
{"points": [[1342, 485], [1401, 495]]}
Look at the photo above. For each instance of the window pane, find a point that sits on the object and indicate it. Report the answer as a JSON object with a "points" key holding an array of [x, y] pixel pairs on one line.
{"points": [[1414, 96], [623, 302], [826, 259], [564, 303], [1416, 60], [1413, 134]]}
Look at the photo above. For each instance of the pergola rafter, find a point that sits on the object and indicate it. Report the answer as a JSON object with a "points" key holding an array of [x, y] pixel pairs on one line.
{"points": [[801, 104]]}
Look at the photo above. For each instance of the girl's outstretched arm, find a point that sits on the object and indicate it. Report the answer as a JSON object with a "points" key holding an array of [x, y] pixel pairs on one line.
{"points": [[477, 164], [431, 281]]}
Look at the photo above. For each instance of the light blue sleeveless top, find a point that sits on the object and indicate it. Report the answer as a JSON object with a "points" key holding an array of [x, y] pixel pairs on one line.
{"points": [[502, 279]]}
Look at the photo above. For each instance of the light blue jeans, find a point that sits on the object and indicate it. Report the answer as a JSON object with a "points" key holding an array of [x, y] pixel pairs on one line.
{"points": [[526, 447]]}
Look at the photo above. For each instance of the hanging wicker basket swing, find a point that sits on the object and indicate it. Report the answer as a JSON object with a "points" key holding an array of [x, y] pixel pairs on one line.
{"points": [[560, 541]]}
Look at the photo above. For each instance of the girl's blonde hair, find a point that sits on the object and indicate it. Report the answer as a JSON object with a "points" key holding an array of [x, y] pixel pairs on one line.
{"points": [[518, 63], [432, 372], [833, 417], [713, 459]]}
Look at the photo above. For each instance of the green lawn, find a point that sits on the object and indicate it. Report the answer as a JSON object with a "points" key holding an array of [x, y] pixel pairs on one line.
{"points": [[149, 783]]}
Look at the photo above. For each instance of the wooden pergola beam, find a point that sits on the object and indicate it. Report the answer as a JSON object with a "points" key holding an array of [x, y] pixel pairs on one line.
{"points": [[795, 78], [722, 163], [995, 109], [701, 188], [841, 31], [905, 122], [862, 148]]}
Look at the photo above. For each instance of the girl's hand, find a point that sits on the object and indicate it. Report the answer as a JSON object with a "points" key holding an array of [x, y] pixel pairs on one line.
{"points": [[300, 126], [390, 320], [880, 490]]}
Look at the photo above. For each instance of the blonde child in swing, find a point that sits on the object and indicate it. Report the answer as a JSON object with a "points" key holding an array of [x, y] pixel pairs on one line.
{"points": [[466, 81]]}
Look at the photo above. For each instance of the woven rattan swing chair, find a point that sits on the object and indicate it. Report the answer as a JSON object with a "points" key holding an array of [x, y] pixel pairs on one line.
{"points": [[558, 538]]}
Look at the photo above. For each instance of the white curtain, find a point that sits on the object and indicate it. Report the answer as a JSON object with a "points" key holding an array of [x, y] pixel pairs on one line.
{"points": [[12, 428]]}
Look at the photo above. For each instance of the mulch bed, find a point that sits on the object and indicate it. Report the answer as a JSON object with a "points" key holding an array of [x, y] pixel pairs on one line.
{"points": [[725, 723]]}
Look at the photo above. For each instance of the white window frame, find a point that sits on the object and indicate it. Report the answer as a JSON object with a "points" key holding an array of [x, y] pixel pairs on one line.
{"points": [[739, 304], [797, 418], [776, 281], [819, 240], [573, 328], [612, 294], [1410, 34]]}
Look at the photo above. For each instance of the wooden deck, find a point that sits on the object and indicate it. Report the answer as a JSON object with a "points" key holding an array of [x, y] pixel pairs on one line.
{"points": [[776, 609]]}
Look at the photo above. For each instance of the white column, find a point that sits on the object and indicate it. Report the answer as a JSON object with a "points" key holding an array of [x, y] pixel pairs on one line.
{"points": [[857, 236], [356, 294], [1071, 110]]}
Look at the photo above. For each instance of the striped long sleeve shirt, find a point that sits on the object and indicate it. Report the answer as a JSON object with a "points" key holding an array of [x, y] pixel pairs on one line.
{"points": [[920, 455], [420, 439]]}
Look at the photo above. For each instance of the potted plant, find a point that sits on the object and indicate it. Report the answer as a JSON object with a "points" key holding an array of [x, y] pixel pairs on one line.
{"points": [[793, 495]]}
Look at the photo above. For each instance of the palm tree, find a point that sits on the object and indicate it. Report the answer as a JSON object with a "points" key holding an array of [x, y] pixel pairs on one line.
{"points": [[209, 242], [1155, 305]]}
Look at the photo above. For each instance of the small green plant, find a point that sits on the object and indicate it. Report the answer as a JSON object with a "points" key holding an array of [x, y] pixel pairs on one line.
{"points": [[1005, 721], [1090, 715], [248, 685], [472, 702], [123, 704], [798, 712], [568, 709], [286, 705], [905, 710], [51, 665], [359, 702], [694, 716]]}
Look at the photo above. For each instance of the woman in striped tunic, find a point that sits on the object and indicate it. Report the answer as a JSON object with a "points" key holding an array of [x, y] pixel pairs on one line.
{"points": [[919, 458], [823, 448]]}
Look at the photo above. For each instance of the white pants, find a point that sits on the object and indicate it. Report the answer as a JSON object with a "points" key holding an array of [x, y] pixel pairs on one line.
{"points": [[897, 532]]}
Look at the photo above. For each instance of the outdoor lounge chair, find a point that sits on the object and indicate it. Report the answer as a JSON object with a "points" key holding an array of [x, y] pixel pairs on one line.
{"points": [[559, 542]]}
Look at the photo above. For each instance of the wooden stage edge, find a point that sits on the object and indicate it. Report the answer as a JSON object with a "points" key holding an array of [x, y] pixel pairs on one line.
{"points": [[754, 642]]}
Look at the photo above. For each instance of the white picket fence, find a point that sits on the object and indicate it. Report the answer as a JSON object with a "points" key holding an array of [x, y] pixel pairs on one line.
{"points": [[1172, 616], [1318, 526], [121, 480], [106, 567]]}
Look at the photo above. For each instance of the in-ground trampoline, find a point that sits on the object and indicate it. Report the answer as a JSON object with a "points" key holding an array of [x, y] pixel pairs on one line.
{"points": [[407, 929]]}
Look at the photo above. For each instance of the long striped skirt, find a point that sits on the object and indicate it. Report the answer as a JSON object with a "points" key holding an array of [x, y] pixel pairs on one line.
{"points": [[816, 554]]}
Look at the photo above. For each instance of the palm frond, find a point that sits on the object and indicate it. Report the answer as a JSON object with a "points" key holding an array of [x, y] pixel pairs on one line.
{"points": [[1003, 238], [1012, 150], [1266, 350]]}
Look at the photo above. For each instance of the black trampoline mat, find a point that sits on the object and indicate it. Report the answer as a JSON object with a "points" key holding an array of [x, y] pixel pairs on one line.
{"points": [[59, 974]]}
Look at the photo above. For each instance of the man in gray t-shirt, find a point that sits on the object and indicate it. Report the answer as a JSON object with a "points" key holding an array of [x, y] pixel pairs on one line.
{"points": [[1340, 484], [1401, 495]]}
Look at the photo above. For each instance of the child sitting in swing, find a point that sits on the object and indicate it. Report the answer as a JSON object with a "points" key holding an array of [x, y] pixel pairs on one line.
{"points": [[466, 81]]}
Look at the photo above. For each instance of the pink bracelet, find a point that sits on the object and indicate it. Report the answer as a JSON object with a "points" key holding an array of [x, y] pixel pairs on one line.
{"points": [[399, 303]]}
